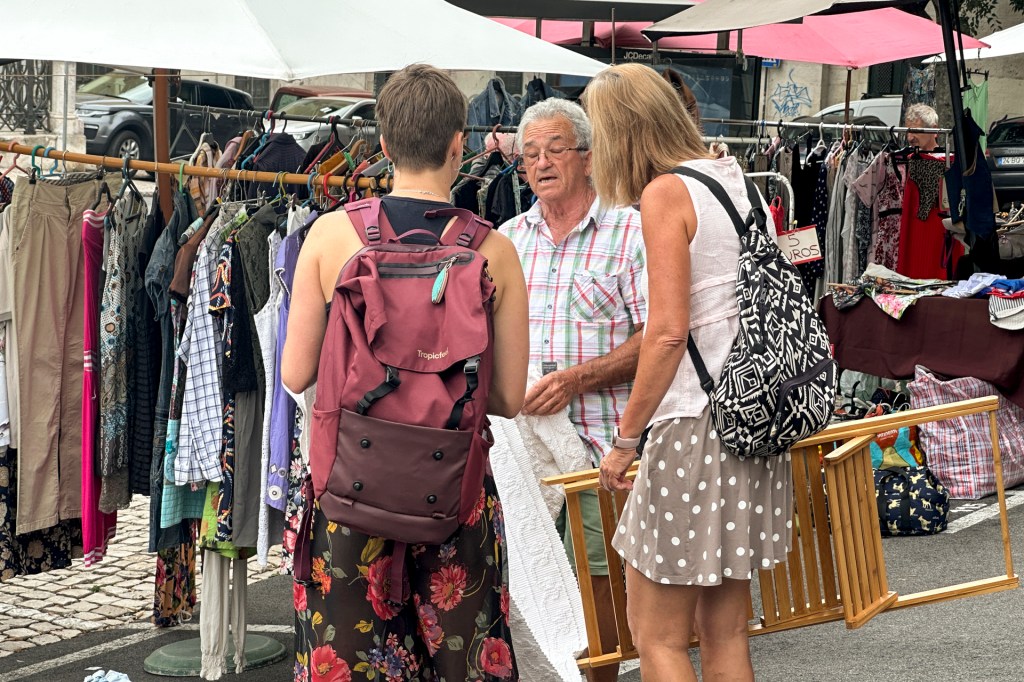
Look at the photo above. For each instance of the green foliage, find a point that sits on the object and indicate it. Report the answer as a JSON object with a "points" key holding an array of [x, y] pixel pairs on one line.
{"points": [[979, 17]]}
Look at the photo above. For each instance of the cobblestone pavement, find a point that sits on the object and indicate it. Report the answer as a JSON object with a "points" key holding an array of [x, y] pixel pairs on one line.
{"points": [[59, 605]]}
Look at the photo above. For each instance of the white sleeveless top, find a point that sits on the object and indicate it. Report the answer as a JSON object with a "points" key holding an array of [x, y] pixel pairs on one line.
{"points": [[714, 312]]}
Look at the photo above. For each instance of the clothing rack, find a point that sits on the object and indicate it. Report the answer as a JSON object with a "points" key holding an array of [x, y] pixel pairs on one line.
{"points": [[778, 125], [182, 169]]}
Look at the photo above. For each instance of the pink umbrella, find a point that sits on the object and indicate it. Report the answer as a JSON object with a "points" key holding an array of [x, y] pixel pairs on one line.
{"points": [[854, 40]]}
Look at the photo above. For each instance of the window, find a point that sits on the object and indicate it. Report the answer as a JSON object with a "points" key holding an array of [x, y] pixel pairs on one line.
{"points": [[367, 111], [187, 93], [513, 81], [258, 89], [379, 79], [214, 97]]}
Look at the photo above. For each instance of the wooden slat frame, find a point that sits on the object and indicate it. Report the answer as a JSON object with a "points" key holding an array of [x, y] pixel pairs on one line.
{"points": [[835, 576]]}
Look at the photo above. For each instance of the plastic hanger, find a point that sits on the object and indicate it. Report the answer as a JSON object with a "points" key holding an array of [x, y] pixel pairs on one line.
{"points": [[14, 164]]}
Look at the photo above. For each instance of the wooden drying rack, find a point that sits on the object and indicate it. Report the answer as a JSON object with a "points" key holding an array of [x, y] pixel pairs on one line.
{"points": [[116, 163], [835, 568]]}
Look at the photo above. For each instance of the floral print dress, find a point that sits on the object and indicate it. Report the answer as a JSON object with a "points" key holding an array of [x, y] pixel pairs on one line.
{"points": [[453, 627]]}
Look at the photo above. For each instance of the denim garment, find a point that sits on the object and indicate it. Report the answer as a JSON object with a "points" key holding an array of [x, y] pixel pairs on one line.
{"points": [[494, 106], [538, 90]]}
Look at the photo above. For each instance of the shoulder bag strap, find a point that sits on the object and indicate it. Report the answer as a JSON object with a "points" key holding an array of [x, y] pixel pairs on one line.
{"points": [[469, 230], [706, 382], [370, 221]]}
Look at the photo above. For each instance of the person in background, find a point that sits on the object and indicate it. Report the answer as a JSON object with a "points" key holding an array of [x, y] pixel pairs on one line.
{"points": [[455, 624], [583, 262], [699, 521], [922, 116]]}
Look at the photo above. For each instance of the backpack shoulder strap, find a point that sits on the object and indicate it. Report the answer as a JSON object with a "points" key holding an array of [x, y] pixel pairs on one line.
{"points": [[719, 193], [469, 230], [370, 221]]}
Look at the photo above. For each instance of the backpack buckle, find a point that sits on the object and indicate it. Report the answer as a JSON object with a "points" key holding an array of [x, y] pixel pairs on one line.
{"points": [[391, 376], [707, 386], [472, 365]]}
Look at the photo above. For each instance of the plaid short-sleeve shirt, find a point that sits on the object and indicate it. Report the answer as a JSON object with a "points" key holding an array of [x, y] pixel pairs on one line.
{"points": [[585, 301]]}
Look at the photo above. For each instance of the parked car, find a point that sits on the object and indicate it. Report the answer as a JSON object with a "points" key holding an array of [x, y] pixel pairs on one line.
{"points": [[885, 108], [116, 110], [310, 134], [286, 94], [1005, 156]]}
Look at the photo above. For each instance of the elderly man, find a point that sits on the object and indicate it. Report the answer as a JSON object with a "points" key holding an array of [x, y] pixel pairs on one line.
{"points": [[583, 265], [922, 116]]}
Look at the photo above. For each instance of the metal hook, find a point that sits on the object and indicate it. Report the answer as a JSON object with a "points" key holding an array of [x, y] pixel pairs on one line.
{"points": [[64, 160]]}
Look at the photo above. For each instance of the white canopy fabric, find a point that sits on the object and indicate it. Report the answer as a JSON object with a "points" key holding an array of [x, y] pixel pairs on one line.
{"points": [[1005, 43], [713, 16], [268, 39]]}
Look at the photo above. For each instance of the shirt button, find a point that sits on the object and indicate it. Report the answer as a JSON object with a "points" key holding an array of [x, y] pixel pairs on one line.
{"points": [[554, 269], [545, 342], [550, 306]]}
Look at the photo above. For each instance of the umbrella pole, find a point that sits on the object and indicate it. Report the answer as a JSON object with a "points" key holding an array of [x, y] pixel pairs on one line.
{"points": [[946, 19], [849, 84], [162, 136]]}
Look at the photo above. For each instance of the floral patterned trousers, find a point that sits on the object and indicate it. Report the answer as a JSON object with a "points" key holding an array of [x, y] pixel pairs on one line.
{"points": [[453, 628]]}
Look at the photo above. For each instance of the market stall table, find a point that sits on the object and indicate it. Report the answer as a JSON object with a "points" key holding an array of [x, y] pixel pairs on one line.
{"points": [[949, 336]]}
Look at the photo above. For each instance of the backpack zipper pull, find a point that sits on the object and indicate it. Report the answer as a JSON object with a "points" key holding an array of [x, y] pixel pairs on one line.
{"points": [[441, 281]]}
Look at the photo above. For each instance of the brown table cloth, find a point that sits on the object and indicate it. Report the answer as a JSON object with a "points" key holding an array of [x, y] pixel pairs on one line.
{"points": [[949, 336]]}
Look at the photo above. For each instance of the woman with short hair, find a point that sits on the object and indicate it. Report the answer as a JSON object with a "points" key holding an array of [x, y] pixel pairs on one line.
{"points": [[454, 625]]}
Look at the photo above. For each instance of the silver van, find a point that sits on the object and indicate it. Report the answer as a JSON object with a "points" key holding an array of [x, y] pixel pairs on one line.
{"points": [[886, 109]]}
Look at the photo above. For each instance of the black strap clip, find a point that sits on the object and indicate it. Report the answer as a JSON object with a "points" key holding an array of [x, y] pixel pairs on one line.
{"points": [[391, 382]]}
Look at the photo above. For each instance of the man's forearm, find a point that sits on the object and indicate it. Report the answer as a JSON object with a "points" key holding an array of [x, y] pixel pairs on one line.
{"points": [[617, 367]]}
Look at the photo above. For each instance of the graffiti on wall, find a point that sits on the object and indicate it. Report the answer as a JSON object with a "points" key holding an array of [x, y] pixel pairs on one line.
{"points": [[790, 97]]}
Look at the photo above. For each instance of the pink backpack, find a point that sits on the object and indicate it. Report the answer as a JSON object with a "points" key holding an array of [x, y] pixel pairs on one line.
{"points": [[398, 444]]}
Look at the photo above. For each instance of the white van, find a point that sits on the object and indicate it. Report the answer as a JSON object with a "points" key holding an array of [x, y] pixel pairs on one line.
{"points": [[886, 109]]}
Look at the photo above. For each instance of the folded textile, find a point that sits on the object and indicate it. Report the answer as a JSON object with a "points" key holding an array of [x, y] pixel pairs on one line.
{"points": [[103, 676], [1005, 288], [546, 614], [970, 288], [554, 447], [1006, 313], [891, 291]]}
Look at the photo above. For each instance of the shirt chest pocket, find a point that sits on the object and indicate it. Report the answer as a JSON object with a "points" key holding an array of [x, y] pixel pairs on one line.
{"points": [[594, 297]]}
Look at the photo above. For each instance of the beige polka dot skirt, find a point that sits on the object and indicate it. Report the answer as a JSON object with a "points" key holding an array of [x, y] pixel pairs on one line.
{"points": [[698, 514]]}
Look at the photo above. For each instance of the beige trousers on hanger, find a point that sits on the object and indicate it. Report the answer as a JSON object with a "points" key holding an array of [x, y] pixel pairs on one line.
{"points": [[223, 607]]}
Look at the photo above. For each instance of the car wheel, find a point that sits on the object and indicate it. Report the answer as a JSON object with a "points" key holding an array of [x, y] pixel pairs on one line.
{"points": [[126, 142]]}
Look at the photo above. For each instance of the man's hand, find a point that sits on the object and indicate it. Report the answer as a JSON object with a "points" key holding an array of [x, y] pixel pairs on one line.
{"points": [[551, 393]]}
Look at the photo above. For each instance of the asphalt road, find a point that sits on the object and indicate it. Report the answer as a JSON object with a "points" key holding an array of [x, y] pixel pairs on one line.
{"points": [[979, 638]]}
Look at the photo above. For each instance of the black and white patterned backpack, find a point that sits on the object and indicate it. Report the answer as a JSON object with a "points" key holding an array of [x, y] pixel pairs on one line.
{"points": [[779, 382]]}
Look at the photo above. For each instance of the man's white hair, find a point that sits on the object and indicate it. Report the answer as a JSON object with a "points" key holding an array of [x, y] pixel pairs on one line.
{"points": [[553, 107], [923, 114]]}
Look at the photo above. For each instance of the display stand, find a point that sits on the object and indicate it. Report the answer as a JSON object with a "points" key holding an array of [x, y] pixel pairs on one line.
{"points": [[184, 658]]}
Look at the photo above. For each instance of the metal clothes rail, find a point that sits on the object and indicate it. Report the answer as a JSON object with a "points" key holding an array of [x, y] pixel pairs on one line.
{"points": [[769, 125]]}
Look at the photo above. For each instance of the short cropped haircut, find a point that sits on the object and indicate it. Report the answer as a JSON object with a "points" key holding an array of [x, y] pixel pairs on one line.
{"points": [[640, 131], [419, 109], [923, 114], [554, 108]]}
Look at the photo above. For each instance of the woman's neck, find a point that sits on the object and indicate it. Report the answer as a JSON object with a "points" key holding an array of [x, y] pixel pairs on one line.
{"points": [[423, 184]]}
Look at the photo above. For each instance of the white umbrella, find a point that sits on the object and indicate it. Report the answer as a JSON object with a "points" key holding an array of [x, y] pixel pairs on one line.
{"points": [[268, 39], [1003, 43]]}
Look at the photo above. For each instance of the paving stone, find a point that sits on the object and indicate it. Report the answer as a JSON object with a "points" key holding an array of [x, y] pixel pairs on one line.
{"points": [[68, 633], [5, 653], [43, 640], [111, 611], [36, 603], [43, 627], [17, 623], [20, 633], [76, 593], [11, 647], [97, 598]]}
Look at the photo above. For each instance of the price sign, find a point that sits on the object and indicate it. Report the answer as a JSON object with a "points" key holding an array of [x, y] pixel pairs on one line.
{"points": [[801, 245]]}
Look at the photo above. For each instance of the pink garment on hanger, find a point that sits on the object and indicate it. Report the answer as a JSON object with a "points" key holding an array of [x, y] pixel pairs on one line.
{"points": [[97, 528]]}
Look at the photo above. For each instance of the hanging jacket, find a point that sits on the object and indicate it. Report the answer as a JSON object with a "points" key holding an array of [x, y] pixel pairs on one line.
{"points": [[494, 106]]}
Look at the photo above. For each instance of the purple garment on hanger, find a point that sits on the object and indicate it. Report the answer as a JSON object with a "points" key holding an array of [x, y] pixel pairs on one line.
{"points": [[282, 414]]}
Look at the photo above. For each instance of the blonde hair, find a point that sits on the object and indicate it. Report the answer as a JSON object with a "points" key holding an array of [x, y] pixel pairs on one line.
{"points": [[640, 131]]}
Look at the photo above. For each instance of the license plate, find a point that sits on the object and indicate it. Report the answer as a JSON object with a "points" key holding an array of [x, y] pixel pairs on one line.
{"points": [[1010, 161]]}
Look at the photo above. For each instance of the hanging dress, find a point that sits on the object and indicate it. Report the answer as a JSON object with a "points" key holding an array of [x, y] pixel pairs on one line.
{"points": [[97, 527]]}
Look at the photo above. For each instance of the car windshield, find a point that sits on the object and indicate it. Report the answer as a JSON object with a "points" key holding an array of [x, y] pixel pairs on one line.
{"points": [[130, 86], [316, 106], [1007, 134]]}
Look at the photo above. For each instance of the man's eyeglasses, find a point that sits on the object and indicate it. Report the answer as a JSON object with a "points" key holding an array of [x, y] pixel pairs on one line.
{"points": [[532, 156]]}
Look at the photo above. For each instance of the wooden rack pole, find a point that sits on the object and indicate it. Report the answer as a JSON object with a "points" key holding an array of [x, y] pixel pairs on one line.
{"points": [[172, 169], [162, 135]]}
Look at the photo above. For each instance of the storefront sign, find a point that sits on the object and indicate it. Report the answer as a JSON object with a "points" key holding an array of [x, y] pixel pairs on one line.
{"points": [[800, 245]]}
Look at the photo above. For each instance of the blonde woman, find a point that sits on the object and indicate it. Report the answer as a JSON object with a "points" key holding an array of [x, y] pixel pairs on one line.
{"points": [[699, 521]]}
